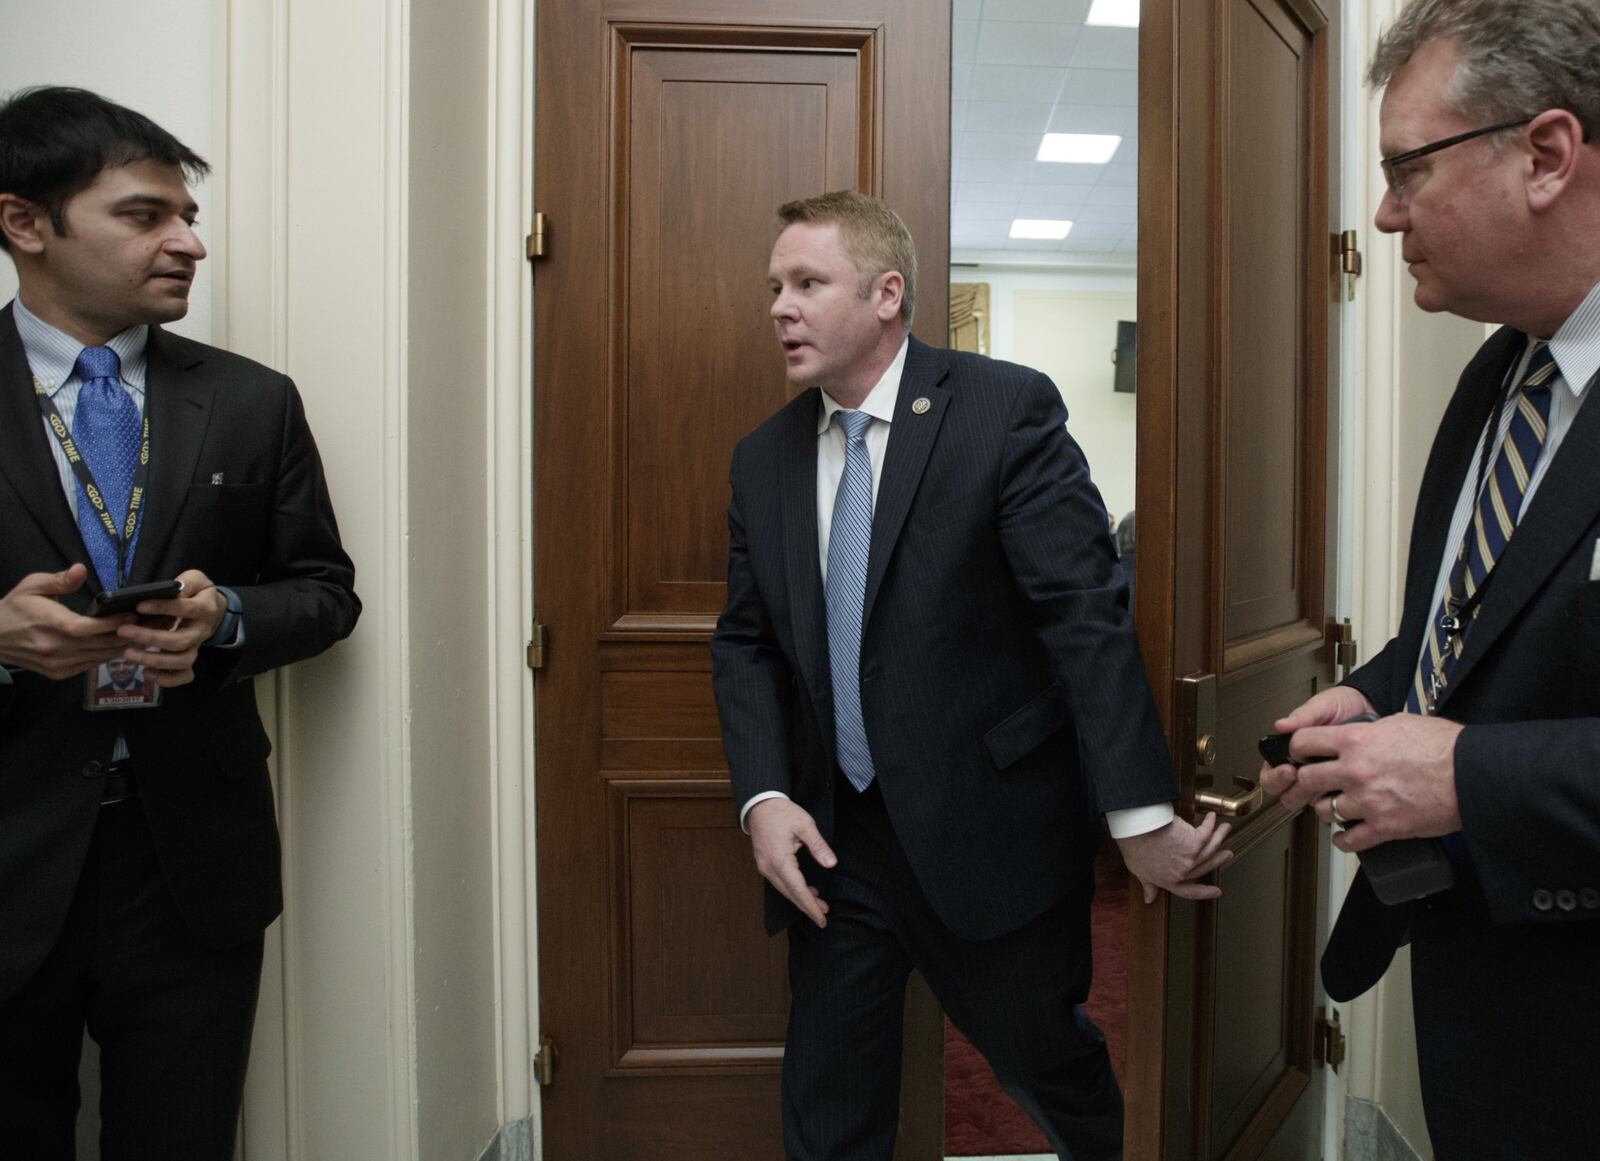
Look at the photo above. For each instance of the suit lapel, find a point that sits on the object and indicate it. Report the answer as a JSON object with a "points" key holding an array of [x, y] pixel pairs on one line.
{"points": [[178, 400], [911, 439], [798, 487], [1561, 511], [25, 455]]}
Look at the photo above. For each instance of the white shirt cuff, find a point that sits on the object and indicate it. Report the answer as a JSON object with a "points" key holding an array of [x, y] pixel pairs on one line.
{"points": [[762, 797], [1139, 820]]}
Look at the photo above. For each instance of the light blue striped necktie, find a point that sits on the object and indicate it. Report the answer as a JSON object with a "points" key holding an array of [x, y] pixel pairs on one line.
{"points": [[849, 544]]}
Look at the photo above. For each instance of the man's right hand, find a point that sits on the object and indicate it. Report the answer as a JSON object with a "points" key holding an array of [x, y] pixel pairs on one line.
{"points": [[1336, 704], [40, 634], [778, 830]]}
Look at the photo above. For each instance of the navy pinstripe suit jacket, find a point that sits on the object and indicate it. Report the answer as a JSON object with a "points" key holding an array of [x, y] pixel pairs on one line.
{"points": [[1003, 694]]}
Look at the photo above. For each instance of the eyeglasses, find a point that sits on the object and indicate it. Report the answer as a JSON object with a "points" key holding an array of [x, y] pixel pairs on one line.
{"points": [[1394, 167]]}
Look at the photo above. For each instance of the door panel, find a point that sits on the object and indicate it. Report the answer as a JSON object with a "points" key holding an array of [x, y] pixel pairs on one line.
{"points": [[1236, 531], [666, 137]]}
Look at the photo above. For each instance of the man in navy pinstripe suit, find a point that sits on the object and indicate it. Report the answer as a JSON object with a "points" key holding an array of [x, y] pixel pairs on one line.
{"points": [[940, 806]]}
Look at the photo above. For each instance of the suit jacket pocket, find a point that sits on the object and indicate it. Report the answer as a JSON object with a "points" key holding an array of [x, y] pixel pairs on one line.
{"points": [[1023, 731]]}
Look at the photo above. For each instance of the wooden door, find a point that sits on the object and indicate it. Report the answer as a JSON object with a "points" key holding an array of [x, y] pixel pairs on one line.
{"points": [[1237, 440], [667, 134]]}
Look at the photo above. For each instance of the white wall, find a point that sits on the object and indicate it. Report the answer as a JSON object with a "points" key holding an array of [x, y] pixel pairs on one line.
{"points": [[45, 44], [1064, 323]]}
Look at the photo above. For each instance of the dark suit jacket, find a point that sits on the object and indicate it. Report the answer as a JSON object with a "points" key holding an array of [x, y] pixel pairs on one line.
{"points": [[1004, 698], [268, 532], [1527, 686]]}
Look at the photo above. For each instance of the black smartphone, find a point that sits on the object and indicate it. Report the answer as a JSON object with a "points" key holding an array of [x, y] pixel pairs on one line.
{"points": [[1275, 747], [127, 598]]}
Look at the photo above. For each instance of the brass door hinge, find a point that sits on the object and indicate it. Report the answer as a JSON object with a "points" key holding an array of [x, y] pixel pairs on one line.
{"points": [[544, 1061], [536, 647], [1330, 1040], [1349, 251], [536, 240], [1342, 643]]}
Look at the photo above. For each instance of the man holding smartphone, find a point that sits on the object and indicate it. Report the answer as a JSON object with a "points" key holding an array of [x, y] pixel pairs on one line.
{"points": [[1486, 746], [138, 843]]}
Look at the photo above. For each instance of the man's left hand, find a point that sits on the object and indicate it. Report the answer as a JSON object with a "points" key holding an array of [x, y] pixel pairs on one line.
{"points": [[167, 637], [1397, 775], [1172, 857]]}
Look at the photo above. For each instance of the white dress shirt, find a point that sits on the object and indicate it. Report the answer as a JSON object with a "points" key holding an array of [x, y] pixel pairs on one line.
{"points": [[880, 404]]}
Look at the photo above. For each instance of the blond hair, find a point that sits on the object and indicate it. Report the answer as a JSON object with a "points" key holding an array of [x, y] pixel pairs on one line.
{"points": [[874, 236]]}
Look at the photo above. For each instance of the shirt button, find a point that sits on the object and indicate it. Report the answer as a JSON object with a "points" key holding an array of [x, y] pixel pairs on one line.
{"points": [[1566, 900], [92, 769], [1543, 900]]}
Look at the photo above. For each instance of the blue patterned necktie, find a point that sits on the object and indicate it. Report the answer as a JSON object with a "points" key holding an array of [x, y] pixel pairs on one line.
{"points": [[1494, 519], [849, 544], [105, 428]]}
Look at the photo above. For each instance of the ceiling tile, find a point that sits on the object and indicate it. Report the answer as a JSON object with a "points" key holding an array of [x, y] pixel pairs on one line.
{"points": [[989, 169], [981, 193], [1055, 195], [1026, 43], [1001, 146], [963, 41], [1121, 215], [1101, 87], [1118, 174], [1012, 116], [1123, 120], [1058, 11], [1106, 48], [1106, 194], [1002, 83]]}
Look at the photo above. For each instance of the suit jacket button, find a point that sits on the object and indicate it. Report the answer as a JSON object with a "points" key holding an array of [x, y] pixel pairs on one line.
{"points": [[1589, 897], [92, 769], [1543, 900], [1566, 900]]}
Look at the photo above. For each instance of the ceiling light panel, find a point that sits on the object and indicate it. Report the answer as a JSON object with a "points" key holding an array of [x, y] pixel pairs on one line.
{"points": [[1050, 229], [1078, 148], [1114, 13]]}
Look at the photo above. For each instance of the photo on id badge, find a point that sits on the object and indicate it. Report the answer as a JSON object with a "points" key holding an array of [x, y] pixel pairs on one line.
{"points": [[120, 685]]}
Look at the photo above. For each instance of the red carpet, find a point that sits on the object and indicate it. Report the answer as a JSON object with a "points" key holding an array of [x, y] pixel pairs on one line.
{"points": [[979, 1119]]}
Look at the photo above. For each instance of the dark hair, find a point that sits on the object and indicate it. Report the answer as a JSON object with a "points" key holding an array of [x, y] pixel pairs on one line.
{"points": [[54, 142]]}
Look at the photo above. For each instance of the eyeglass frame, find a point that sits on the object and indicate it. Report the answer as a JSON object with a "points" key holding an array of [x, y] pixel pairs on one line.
{"points": [[1389, 164]]}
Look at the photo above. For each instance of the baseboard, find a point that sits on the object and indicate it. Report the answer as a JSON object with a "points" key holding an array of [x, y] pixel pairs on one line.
{"points": [[514, 1142], [1369, 1135]]}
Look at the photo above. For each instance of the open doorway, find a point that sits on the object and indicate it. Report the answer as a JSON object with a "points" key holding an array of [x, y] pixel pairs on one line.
{"points": [[1043, 250]]}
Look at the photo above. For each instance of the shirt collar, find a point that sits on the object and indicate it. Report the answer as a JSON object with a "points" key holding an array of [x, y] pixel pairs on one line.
{"points": [[1576, 346], [52, 352], [880, 401]]}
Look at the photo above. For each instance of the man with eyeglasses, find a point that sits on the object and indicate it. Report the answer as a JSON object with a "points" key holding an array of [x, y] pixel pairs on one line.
{"points": [[1490, 747]]}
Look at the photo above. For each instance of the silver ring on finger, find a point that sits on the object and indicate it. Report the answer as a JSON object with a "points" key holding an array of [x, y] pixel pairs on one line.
{"points": [[1333, 809]]}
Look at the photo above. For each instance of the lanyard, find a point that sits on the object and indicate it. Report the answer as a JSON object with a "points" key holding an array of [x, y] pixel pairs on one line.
{"points": [[122, 537]]}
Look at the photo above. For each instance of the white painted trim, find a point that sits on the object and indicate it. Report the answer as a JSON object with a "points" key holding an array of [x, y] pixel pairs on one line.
{"points": [[510, 581], [398, 872], [248, 196]]}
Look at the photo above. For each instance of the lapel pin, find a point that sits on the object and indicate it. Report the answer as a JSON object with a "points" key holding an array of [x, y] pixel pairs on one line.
{"points": [[216, 477], [920, 405]]}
